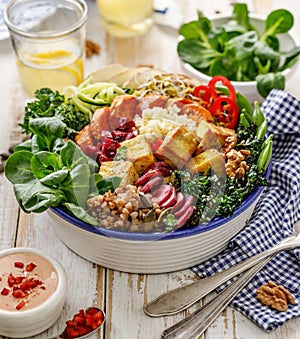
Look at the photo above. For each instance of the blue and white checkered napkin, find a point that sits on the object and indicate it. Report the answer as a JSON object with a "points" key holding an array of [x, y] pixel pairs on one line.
{"points": [[272, 220]]}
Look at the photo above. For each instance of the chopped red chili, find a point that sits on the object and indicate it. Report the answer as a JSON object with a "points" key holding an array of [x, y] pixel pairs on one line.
{"points": [[11, 280], [19, 264], [20, 305], [20, 286], [30, 267], [19, 279], [83, 323], [5, 291]]}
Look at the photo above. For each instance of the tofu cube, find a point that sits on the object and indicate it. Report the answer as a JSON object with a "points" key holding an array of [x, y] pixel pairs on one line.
{"points": [[211, 135], [139, 152], [123, 169], [177, 147], [210, 158]]}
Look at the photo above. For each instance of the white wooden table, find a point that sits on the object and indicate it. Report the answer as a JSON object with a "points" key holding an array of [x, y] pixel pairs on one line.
{"points": [[120, 294]]}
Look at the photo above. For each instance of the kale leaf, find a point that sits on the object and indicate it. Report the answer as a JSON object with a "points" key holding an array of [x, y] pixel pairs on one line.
{"points": [[51, 103]]}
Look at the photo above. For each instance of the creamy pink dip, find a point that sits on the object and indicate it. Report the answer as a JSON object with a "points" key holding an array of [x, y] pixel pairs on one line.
{"points": [[43, 272]]}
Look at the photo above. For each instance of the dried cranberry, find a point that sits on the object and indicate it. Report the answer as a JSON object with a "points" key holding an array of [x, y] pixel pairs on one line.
{"points": [[126, 126], [119, 135], [110, 147], [90, 151]]}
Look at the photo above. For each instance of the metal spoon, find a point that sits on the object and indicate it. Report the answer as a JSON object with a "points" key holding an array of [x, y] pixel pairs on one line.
{"points": [[177, 300], [196, 323], [85, 335]]}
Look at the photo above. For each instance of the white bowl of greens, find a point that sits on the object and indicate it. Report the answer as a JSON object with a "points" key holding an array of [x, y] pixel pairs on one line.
{"points": [[254, 52]]}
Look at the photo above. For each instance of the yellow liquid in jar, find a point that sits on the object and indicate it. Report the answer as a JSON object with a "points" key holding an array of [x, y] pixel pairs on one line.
{"points": [[123, 18], [55, 69]]}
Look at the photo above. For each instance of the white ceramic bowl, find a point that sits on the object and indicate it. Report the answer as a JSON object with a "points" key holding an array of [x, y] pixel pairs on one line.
{"points": [[248, 88], [25, 322], [150, 252]]}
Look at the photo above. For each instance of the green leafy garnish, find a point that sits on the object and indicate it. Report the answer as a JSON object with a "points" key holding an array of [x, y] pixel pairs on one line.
{"points": [[50, 103], [47, 171]]}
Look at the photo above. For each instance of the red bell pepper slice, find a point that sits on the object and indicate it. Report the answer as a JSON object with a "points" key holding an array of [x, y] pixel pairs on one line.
{"points": [[226, 111], [206, 93], [226, 82]]}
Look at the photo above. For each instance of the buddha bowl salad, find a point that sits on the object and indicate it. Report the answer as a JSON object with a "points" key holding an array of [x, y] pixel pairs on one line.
{"points": [[153, 154]]}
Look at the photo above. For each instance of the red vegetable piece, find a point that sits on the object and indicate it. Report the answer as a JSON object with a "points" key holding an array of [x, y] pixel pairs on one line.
{"points": [[11, 280], [20, 305], [19, 264], [18, 293], [19, 279], [171, 201], [146, 177], [30, 267], [226, 82], [188, 201], [226, 111], [152, 183], [83, 323], [185, 217], [206, 93], [126, 125], [179, 202], [5, 291], [163, 168], [155, 146], [162, 194], [119, 136]]}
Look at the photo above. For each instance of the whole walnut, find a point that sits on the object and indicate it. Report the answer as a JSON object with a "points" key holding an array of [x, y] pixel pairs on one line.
{"points": [[275, 296]]}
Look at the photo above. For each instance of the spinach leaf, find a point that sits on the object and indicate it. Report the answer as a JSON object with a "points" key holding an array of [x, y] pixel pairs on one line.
{"points": [[76, 185], [100, 185], [81, 213], [242, 46], [44, 163], [196, 29], [278, 21], [55, 179], [18, 167], [33, 196], [266, 82], [290, 58], [46, 132], [241, 15], [265, 55], [196, 53]]}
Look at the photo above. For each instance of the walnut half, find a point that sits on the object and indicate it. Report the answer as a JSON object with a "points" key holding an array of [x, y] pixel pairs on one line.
{"points": [[236, 166], [275, 296]]}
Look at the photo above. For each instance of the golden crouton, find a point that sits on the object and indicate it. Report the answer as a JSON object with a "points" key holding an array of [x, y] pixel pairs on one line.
{"points": [[210, 158], [123, 169], [178, 146], [139, 153]]}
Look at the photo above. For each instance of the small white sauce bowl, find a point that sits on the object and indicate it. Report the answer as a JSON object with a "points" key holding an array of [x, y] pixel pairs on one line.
{"points": [[28, 322], [248, 88]]}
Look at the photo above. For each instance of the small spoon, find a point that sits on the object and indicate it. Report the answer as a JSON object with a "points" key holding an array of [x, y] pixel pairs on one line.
{"points": [[62, 336], [177, 300]]}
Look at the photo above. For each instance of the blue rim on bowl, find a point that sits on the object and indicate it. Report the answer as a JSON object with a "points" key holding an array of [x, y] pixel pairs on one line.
{"points": [[183, 232]]}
